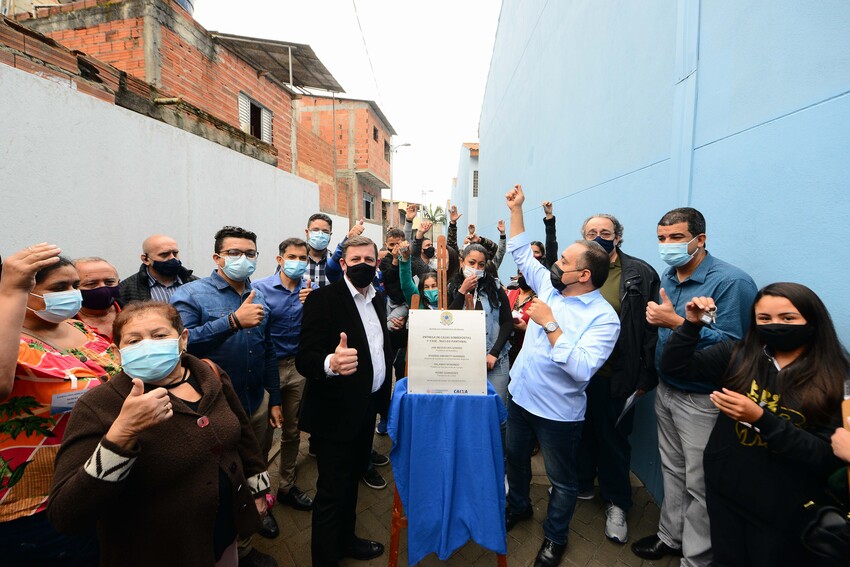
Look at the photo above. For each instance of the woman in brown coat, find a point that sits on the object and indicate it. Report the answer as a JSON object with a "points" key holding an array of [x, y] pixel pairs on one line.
{"points": [[162, 458]]}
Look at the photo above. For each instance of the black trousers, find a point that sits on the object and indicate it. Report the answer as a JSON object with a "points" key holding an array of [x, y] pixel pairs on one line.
{"points": [[341, 464], [604, 450], [738, 541]]}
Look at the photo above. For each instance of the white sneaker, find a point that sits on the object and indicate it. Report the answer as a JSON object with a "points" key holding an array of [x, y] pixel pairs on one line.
{"points": [[615, 524]]}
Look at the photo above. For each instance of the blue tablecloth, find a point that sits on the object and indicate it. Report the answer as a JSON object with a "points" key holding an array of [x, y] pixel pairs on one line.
{"points": [[449, 470]]}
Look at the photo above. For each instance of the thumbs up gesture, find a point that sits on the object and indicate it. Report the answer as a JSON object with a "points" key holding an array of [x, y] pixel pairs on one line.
{"points": [[308, 287], [343, 360], [140, 411], [663, 314], [250, 314], [357, 229]]}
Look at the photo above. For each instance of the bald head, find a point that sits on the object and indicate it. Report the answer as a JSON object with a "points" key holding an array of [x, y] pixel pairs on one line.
{"points": [[153, 244]]}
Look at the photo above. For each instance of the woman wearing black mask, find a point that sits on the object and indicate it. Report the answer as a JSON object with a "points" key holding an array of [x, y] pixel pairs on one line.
{"points": [[769, 452], [520, 300]]}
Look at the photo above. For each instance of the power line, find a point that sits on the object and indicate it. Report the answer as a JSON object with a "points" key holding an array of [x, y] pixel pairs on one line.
{"points": [[369, 57]]}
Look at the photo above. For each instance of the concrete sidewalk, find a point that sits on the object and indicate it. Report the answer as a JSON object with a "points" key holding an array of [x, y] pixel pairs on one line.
{"points": [[588, 545]]}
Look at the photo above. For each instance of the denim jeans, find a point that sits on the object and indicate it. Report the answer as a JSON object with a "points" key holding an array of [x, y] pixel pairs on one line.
{"points": [[559, 444], [499, 378], [32, 541]]}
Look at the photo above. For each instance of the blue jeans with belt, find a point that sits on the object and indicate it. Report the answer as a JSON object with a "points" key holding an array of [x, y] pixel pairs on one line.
{"points": [[559, 444]]}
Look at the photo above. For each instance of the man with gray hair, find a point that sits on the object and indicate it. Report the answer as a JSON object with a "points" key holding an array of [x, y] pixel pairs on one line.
{"points": [[604, 451]]}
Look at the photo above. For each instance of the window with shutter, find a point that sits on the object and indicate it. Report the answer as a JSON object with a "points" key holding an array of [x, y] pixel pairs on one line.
{"points": [[267, 126], [244, 113]]}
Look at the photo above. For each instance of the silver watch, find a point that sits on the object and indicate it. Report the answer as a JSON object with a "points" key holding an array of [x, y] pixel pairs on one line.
{"points": [[551, 327]]}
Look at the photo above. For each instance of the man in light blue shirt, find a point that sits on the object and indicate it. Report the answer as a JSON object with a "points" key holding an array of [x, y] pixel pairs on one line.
{"points": [[571, 332]]}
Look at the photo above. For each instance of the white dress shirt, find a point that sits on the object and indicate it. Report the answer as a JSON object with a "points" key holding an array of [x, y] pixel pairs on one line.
{"points": [[549, 381], [374, 335]]}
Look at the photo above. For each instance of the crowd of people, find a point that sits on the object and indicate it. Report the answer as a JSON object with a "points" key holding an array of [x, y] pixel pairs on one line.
{"points": [[137, 415]]}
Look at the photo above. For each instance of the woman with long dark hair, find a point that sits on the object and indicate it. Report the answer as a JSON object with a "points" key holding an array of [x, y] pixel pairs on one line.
{"points": [[488, 296], [780, 392]]}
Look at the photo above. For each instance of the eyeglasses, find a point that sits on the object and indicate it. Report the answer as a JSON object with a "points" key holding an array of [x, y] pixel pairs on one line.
{"points": [[235, 253], [591, 234]]}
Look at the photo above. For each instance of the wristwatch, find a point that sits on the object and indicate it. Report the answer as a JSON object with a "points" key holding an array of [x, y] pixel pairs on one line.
{"points": [[551, 327]]}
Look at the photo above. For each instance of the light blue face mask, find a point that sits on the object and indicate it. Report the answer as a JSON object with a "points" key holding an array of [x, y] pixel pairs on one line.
{"points": [[59, 305], [431, 295], [150, 360], [294, 268], [676, 254], [239, 269], [319, 240]]}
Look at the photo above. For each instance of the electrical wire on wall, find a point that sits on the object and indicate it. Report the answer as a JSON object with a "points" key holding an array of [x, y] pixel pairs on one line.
{"points": [[369, 57]]}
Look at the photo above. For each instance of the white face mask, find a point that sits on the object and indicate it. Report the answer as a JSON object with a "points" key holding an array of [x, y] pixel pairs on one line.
{"points": [[468, 271]]}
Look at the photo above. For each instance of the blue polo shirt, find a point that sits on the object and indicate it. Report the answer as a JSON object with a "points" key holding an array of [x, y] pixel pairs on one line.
{"points": [[248, 355], [284, 313], [733, 291]]}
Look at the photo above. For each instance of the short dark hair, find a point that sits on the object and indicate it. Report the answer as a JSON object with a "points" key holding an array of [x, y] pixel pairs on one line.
{"points": [[394, 232], [136, 308], [322, 217], [694, 218], [595, 259], [359, 240], [297, 242], [232, 232], [42, 274]]}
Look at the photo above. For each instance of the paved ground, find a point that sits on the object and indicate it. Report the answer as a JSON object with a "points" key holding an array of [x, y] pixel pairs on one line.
{"points": [[587, 543]]}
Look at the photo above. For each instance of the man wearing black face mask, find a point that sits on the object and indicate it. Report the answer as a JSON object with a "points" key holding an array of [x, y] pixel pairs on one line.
{"points": [[160, 274], [345, 356], [604, 450]]}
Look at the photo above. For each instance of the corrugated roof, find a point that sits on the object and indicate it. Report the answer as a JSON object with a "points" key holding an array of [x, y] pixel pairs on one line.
{"points": [[273, 57]]}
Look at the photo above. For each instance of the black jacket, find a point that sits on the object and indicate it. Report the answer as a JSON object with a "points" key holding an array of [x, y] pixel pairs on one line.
{"points": [[137, 288], [767, 472], [334, 407], [634, 363]]}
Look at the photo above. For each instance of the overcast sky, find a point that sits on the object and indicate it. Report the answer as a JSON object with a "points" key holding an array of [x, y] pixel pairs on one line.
{"points": [[430, 59]]}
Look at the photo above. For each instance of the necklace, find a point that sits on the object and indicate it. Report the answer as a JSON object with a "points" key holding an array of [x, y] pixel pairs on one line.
{"points": [[183, 381]]}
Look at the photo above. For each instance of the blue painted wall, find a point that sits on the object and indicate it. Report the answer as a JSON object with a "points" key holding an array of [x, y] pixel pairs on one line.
{"points": [[740, 109], [462, 190]]}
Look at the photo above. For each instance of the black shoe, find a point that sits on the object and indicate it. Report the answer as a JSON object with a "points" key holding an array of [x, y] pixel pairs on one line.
{"points": [[550, 554], [269, 529], [257, 559], [296, 499], [512, 518], [363, 549], [379, 460], [373, 479], [652, 548]]}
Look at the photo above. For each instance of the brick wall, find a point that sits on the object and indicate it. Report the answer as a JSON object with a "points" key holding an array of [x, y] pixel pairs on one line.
{"points": [[214, 85], [119, 43]]}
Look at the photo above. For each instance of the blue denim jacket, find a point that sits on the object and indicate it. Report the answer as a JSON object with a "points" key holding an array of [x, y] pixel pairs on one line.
{"points": [[248, 355]]}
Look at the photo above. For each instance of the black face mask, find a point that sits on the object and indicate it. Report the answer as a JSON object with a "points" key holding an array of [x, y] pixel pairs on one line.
{"points": [[168, 268], [555, 274], [782, 337], [429, 252], [100, 297], [523, 285], [360, 275]]}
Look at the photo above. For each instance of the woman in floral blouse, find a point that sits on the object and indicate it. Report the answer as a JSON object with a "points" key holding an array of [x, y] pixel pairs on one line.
{"points": [[47, 361]]}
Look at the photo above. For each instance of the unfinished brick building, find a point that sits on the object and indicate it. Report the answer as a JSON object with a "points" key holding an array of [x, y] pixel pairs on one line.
{"points": [[249, 83]]}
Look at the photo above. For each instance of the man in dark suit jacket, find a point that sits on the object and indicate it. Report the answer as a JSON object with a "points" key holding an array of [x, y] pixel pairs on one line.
{"points": [[346, 357]]}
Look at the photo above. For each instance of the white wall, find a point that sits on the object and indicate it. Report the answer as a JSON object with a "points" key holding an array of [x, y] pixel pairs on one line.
{"points": [[97, 179], [342, 226]]}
